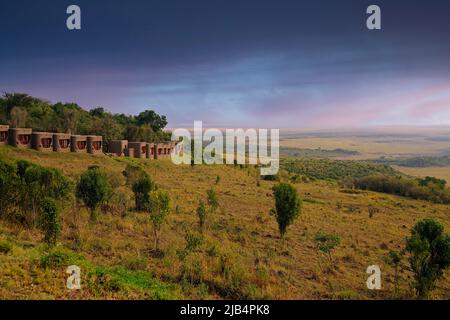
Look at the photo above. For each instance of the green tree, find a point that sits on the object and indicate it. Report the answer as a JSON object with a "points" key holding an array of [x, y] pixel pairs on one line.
{"points": [[50, 221], [201, 213], [159, 209], [141, 189], [151, 118], [93, 189], [430, 255], [287, 205]]}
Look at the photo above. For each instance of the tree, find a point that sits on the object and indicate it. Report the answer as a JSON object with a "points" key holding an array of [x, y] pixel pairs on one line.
{"points": [[50, 221], [142, 188], [93, 189], [151, 118], [18, 117], [212, 199], [287, 205], [201, 213], [430, 254], [97, 112], [67, 117], [159, 210]]}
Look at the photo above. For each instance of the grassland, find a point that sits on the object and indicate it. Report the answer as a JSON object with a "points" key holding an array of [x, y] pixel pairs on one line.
{"points": [[401, 145], [241, 255]]}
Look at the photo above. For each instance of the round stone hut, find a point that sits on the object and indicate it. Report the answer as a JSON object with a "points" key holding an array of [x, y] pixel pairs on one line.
{"points": [[78, 143], [20, 137], [140, 149], [61, 142], [42, 141], [95, 144], [3, 134], [118, 147]]}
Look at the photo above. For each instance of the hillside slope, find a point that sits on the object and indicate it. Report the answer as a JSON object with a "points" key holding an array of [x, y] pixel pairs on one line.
{"points": [[241, 255]]}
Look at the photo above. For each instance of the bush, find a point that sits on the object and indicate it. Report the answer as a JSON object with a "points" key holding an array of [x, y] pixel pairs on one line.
{"points": [[326, 243], [24, 187], [287, 205], [141, 189], [430, 255], [50, 221], [9, 183], [93, 189]]}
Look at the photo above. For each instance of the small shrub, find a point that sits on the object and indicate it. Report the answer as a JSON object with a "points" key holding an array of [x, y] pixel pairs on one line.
{"points": [[326, 243], [212, 199], [201, 213]]}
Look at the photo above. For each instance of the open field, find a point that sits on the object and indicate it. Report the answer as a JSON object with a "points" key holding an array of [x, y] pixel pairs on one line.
{"points": [[438, 172], [241, 255]]}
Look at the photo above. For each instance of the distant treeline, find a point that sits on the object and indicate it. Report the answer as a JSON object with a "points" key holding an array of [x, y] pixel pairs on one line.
{"points": [[22, 110], [429, 188], [327, 169], [416, 162], [316, 153]]}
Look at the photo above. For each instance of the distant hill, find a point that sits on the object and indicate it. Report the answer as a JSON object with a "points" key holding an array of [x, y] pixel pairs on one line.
{"points": [[316, 153]]}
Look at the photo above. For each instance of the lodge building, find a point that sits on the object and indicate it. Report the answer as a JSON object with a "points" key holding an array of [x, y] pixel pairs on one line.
{"points": [[64, 142]]}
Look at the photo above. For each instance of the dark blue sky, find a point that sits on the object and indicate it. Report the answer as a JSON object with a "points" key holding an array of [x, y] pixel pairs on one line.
{"points": [[236, 62]]}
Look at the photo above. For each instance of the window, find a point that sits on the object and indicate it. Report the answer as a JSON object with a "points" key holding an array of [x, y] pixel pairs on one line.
{"points": [[46, 142], [23, 138]]}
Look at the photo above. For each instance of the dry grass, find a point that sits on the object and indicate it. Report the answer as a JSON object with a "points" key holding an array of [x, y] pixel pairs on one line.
{"points": [[241, 255]]}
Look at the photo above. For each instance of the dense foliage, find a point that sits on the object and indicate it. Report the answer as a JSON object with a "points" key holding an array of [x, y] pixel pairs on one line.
{"points": [[327, 169], [316, 153], [430, 189], [29, 194], [22, 110], [416, 162], [23, 188]]}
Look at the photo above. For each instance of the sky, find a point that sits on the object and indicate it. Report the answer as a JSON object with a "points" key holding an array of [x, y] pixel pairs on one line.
{"points": [[236, 63]]}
